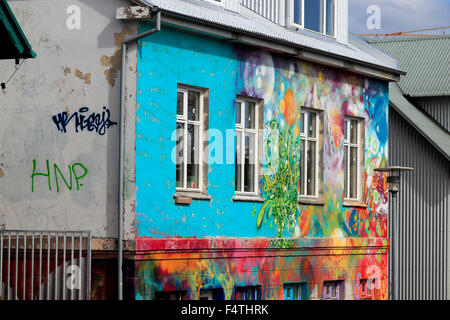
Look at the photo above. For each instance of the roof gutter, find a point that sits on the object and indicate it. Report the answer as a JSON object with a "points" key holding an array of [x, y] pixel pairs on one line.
{"points": [[280, 46], [157, 28]]}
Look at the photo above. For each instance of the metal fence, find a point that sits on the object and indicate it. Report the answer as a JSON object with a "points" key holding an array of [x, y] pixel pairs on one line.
{"points": [[45, 265]]}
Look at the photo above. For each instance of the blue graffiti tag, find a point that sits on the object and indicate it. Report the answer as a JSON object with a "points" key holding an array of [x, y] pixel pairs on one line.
{"points": [[94, 122]]}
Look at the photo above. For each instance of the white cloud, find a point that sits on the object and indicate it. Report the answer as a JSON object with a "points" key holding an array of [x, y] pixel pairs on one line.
{"points": [[400, 15]]}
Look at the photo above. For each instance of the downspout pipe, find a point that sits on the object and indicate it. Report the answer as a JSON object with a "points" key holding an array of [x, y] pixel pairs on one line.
{"points": [[157, 28]]}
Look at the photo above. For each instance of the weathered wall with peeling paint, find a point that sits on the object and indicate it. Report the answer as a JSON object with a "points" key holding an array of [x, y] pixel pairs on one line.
{"points": [[73, 69]]}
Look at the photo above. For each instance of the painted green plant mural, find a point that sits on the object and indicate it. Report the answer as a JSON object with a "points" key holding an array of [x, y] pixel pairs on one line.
{"points": [[280, 185]]}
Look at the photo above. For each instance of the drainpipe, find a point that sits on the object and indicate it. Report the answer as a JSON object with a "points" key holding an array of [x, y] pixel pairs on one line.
{"points": [[155, 10]]}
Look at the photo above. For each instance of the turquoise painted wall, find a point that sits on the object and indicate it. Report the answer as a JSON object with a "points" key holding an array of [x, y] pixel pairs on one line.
{"points": [[170, 57]]}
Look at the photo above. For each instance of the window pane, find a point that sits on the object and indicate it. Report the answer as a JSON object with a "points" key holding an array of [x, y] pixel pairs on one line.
{"points": [[354, 132], [249, 115], [345, 171], [302, 168], [249, 170], [313, 15], [193, 156], [193, 105], [238, 112], [180, 103], [345, 129], [312, 125], [237, 161], [297, 11], [302, 122], [353, 173], [330, 17], [311, 169], [180, 162]]}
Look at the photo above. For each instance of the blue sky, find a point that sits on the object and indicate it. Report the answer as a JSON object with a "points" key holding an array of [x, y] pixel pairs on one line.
{"points": [[400, 15]]}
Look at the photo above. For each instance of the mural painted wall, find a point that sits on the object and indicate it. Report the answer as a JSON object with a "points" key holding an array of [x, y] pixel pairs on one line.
{"points": [[285, 85], [223, 244]]}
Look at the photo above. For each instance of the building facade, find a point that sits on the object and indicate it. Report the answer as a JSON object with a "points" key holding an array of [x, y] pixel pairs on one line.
{"points": [[297, 212], [249, 148]]}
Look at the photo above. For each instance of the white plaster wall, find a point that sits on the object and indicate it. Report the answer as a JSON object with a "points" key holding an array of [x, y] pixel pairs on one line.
{"points": [[44, 87]]}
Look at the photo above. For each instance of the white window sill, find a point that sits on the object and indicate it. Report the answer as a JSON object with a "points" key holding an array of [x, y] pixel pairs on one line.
{"points": [[354, 203], [311, 201], [192, 195], [248, 198]]}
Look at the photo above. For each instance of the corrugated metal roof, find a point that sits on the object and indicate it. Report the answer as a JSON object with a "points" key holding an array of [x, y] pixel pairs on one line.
{"points": [[426, 61], [248, 21], [436, 135]]}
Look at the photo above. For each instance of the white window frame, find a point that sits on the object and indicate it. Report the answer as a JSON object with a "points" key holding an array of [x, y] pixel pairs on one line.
{"points": [[241, 128], [349, 145], [304, 157], [184, 120], [324, 15]]}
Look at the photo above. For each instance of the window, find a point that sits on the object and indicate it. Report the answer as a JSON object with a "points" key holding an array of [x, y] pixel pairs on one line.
{"points": [[315, 15], [248, 293], [189, 139], [352, 156], [364, 292], [246, 142], [295, 291], [211, 294], [333, 290], [309, 155], [171, 295]]}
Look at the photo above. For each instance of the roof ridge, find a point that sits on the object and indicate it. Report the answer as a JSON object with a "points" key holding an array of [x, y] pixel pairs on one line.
{"points": [[408, 38]]}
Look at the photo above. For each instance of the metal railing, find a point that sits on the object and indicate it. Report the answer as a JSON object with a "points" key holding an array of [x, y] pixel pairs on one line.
{"points": [[45, 265]]}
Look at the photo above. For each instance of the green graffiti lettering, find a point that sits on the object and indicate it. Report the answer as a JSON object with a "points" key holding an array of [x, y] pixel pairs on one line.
{"points": [[77, 177], [62, 176], [34, 174], [68, 182]]}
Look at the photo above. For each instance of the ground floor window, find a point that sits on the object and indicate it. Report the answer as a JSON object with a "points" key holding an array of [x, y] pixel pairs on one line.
{"points": [[248, 293]]}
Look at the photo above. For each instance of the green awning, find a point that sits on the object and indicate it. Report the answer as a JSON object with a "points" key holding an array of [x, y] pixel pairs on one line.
{"points": [[14, 44]]}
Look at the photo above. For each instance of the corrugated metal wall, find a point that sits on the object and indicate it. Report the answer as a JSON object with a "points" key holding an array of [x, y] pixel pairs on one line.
{"points": [[438, 108], [423, 213], [269, 9]]}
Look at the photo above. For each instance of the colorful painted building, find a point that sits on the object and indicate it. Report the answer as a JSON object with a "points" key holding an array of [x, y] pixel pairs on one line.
{"points": [[253, 166], [229, 155]]}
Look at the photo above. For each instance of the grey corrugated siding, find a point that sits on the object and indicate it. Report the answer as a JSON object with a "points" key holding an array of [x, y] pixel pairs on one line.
{"points": [[267, 8], [438, 108], [423, 213], [426, 61]]}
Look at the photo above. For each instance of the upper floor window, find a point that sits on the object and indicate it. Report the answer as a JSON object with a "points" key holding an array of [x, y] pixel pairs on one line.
{"points": [[189, 138], [309, 153], [315, 15], [247, 142], [353, 146]]}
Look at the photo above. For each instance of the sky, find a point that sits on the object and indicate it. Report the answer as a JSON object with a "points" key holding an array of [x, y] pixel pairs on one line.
{"points": [[399, 15]]}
